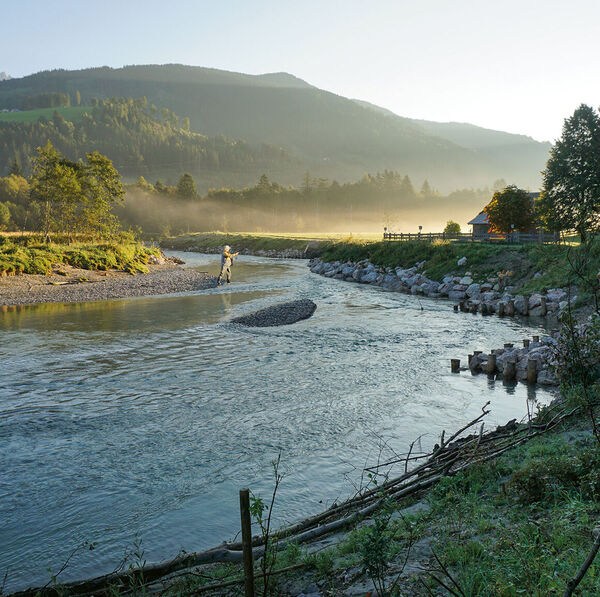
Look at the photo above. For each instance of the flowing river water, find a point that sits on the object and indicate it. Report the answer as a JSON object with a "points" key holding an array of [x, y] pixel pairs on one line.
{"points": [[143, 417]]}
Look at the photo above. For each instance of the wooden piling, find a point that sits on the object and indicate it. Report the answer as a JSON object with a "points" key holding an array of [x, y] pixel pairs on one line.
{"points": [[247, 543], [525, 342], [456, 307], [509, 373], [508, 345], [531, 371], [469, 357], [490, 367], [455, 365], [500, 309], [536, 338]]}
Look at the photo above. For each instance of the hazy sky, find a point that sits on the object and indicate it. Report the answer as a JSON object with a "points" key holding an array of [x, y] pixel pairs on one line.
{"points": [[515, 65]]}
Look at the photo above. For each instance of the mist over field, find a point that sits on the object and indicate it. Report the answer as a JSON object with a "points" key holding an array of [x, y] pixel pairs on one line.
{"points": [[157, 214]]}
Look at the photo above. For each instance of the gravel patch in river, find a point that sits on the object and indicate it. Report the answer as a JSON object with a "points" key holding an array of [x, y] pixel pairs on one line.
{"points": [[281, 314]]}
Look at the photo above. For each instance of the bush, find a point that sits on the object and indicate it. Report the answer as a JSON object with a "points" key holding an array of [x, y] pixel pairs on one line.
{"points": [[452, 227]]}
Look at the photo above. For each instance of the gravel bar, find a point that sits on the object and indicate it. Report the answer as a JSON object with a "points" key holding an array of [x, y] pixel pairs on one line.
{"points": [[281, 314], [76, 285]]}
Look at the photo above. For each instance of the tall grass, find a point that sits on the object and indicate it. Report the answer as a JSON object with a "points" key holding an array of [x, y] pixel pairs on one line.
{"points": [[30, 256]]}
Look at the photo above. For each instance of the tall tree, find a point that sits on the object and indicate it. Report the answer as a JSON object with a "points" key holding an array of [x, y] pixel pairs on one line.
{"points": [[511, 207], [571, 188], [186, 187], [45, 186], [102, 188], [15, 168]]}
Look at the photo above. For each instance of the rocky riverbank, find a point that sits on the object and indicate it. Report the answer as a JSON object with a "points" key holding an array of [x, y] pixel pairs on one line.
{"points": [[531, 363], [494, 296], [486, 298], [73, 285]]}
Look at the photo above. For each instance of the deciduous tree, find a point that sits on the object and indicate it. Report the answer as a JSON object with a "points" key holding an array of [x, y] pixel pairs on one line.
{"points": [[511, 207]]}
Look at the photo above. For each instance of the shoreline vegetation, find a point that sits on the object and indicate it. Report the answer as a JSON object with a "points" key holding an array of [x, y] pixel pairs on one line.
{"points": [[33, 272]]}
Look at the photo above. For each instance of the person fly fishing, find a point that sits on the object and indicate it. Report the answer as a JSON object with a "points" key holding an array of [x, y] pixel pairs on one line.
{"points": [[226, 262]]}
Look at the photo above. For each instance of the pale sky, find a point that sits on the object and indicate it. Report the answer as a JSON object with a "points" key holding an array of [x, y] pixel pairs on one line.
{"points": [[515, 65]]}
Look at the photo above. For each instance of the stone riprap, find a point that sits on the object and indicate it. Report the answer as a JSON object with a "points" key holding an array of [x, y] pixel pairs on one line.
{"points": [[486, 298], [281, 314], [542, 352]]}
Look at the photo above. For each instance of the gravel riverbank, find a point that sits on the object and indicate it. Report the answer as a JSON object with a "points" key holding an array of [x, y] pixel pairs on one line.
{"points": [[71, 285]]}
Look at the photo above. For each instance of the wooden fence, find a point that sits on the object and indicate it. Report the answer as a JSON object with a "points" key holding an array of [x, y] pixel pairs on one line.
{"points": [[514, 237]]}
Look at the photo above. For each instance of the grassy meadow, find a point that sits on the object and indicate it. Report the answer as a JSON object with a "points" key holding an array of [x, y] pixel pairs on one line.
{"points": [[73, 114]]}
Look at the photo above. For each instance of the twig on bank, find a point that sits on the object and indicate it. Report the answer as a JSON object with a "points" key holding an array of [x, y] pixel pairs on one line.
{"points": [[572, 584]]}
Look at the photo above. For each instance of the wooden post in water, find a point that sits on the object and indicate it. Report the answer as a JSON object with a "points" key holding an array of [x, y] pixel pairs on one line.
{"points": [[490, 368], [508, 345], [536, 338], [525, 342], [247, 542], [510, 371], [531, 371], [469, 357], [455, 365]]}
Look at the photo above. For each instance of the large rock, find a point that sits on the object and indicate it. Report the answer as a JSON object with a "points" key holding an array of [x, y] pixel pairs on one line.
{"points": [[535, 300], [466, 280], [473, 289], [370, 277], [539, 310], [457, 295], [348, 269], [389, 281], [462, 261], [521, 304]]}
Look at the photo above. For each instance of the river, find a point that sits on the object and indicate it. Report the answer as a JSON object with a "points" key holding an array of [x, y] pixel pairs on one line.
{"points": [[144, 417]]}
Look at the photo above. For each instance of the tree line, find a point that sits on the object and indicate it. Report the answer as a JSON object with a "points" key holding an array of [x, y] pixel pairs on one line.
{"points": [[82, 195], [138, 137]]}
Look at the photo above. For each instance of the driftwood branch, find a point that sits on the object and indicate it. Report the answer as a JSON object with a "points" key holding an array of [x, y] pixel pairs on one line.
{"points": [[572, 584]]}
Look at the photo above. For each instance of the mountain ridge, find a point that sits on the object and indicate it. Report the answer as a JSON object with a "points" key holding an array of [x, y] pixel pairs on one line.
{"points": [[332, 136]]}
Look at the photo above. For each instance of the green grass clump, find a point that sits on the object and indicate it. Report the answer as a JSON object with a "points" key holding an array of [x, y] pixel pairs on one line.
{"points": [[521, 525], [37, 258]]}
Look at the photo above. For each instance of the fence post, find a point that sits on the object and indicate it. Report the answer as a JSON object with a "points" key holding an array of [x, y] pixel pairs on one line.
{"points": [[247, 542]]}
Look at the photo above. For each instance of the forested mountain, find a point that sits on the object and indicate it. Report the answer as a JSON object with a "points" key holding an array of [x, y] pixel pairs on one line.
{"points": [[330, 135], [140, 140]]}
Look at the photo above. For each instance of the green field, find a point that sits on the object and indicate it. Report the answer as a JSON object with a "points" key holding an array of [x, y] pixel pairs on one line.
{"points": [[71, 114]]}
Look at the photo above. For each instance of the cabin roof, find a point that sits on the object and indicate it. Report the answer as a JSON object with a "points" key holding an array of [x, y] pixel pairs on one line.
{"points": [[480, 218]]}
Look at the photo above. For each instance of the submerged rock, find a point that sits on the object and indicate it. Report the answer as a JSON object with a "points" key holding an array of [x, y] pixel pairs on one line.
{"points": [[281, 314]]}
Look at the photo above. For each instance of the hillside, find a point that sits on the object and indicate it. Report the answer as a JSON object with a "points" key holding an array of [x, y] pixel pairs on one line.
{"points": [[331, 136], [139, 140]]}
